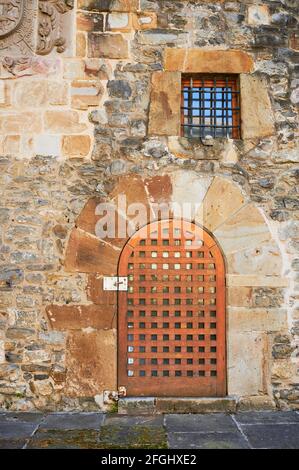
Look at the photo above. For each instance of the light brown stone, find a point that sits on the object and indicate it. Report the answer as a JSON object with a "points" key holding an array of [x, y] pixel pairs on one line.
{"points": [[87, 254], [81, 45], [256, 109], [59, 122], [159, 189], [247, 363], [89, 21], [85, 93], [242, 319], [76, 145], [77, 317], [239, 296], [91, 363], [165, 104], [207, 61], [11, 145], [254, 280], [112, 46], [244, 229], [145, 20], [263, 259], [18, 123], [222, 200], [188, 191]]}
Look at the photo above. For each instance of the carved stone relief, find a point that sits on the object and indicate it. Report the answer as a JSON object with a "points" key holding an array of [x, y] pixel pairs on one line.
{"points": [[32, 26], [17, 19], [50, 34]]}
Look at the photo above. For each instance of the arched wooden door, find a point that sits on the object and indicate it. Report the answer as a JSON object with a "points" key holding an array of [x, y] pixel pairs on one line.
{"points": [[171, 323]]}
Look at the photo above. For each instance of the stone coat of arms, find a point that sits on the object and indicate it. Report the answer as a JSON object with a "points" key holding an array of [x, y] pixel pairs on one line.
{"points": [[11, 15]]}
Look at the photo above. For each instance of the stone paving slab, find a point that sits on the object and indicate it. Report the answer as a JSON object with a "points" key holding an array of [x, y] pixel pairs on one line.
{"points": [[267, 417], [198, 431], [206, 423], [71, 421], [280, 436], [212, 440]]}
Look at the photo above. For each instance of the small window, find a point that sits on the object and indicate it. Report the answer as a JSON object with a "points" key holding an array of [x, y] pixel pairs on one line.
{"points": [[210, 106]]}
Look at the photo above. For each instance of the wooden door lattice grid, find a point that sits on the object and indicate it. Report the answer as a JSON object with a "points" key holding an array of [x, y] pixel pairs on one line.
{"points": [[172, 318]]}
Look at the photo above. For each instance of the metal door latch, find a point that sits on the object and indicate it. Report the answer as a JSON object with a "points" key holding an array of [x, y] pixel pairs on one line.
{"points": [[115, 283]]}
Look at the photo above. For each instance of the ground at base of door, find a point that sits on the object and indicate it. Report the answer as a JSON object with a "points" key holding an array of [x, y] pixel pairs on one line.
{"points": [[247, 430]]}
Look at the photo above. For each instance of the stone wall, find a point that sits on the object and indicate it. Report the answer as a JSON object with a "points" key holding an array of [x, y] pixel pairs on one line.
{"points": [[90, 109]]}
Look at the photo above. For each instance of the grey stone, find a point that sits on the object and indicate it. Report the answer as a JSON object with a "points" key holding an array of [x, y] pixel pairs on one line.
{"points": [[69, 421], [21, 417], [134, 420], [118, 167], [16, 430], [155, 148], [10, 276], [139, 405], [216, 440], [267, 417], [272, 437], [200, 423], [119, 89]]}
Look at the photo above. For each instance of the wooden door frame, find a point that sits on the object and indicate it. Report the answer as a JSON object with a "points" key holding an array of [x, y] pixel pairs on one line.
{"points": [[222, 353]]}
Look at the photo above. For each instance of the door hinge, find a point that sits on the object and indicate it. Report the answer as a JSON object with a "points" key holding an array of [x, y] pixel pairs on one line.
{"points": [[115, 283]]}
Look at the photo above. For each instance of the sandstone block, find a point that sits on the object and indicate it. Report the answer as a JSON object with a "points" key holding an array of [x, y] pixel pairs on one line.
{"points": [[85, 93], [244, 229], [11, 145], [222, 200], [47, 144], [59, 122], [112, 46], [165, 111], [86, 253], [76, 145], [81, 45], [91, 363], [18, 123], [247, 361], [90, 21], [204, 61], [256, 109], [188, 191], [121, 22], [263, 259], [241, 319], [77, 317]]}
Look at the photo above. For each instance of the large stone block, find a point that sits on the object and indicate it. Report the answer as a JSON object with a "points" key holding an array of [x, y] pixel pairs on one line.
{"points": [[87, 254], [188, 191], [247, 363], [63, 122], [242, 230], [165, 105], [264, 259], [18, 123], [77, 317], [207, 61], [76, 145], [222, 200], [256, 109], [91, 363], [111, 46], [242, 319]]}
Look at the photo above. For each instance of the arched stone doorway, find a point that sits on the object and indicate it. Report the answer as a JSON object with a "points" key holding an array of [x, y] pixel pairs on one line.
{"points": [[254, 266], [171, 320]]}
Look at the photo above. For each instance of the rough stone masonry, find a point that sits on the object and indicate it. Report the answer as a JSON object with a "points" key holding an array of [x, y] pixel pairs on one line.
{"points": [[90, 109]]}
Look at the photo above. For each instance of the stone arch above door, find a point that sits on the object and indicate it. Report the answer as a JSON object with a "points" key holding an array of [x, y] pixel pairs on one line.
{"points": [[253, 266]]}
